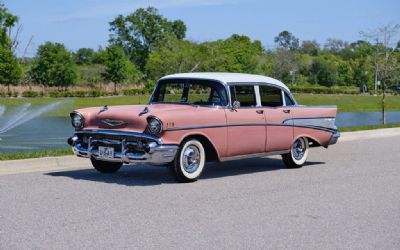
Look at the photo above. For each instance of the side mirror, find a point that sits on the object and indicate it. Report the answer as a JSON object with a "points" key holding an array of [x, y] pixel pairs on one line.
{"points": [[235, 105]]}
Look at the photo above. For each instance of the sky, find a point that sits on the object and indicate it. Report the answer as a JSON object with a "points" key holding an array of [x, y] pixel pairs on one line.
{"points": [[85, 23]]}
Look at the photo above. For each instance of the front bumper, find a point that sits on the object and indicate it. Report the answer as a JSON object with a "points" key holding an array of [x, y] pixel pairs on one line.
{"points": [[128, 147], [334, 138]]}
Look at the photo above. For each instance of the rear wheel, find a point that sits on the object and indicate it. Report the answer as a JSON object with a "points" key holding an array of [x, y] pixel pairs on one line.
{"points": [[105, 166], [297, 155], [189, 161]]}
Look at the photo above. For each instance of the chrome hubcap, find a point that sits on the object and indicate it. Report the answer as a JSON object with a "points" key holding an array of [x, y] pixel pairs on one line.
{"points": [[299, 149], [191, 159]]}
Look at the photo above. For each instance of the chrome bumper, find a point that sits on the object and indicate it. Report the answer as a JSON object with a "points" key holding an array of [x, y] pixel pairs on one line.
{"points": [[334, 138], [153, 152]]}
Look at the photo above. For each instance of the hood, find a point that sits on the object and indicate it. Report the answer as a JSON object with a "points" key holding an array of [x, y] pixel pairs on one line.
{"points": [[130, 118]]}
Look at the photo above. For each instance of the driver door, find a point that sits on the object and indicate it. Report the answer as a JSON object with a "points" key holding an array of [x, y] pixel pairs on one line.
{"points": [[246, 124]]}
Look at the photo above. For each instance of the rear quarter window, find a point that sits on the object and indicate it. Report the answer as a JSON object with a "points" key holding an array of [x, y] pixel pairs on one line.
{"points": [[270, 96]]}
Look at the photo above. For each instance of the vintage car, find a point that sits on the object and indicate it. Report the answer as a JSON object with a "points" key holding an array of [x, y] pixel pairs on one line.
{"points": [[193, 118]]}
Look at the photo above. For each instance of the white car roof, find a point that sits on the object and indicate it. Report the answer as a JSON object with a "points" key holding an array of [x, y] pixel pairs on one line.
{"points": [[227, 78]]}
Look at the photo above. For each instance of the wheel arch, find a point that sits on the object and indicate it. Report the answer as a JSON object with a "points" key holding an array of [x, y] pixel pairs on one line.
{"points": [[313, 142], [209, 148]]}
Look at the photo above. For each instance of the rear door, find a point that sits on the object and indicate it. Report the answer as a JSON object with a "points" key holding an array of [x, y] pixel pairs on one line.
{"points": [[279, 127], [246, 125]]}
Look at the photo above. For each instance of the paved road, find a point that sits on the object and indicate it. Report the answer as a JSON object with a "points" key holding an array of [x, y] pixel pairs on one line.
{"points": [[347, 197]]}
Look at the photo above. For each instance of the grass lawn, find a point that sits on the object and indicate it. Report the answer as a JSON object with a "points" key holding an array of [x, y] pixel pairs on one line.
{"points": [[35, 154], [369, 127], [350, 103]]}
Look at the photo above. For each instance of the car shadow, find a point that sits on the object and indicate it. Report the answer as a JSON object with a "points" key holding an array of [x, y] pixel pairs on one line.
{"points": [[145, 175]]}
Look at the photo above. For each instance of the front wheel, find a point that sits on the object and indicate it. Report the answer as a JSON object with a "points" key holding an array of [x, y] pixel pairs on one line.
{"points": [[106, 167], [189, 161], [297, 155]]}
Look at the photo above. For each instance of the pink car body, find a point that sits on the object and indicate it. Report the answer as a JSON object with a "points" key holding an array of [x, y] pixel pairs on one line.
{"points": [[227, 131]]}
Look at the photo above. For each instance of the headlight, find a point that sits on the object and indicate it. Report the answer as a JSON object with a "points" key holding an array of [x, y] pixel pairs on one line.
{"points": [[155, 125], [77, 120]]}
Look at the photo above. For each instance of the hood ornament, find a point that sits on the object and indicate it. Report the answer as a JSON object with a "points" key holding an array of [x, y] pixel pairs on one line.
{"points": [[145, 111], [104, 108], [113, 123]]}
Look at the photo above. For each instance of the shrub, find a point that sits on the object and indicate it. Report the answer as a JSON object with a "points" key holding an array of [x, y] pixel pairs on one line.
{"points": [[30, 93], [134, 91]]}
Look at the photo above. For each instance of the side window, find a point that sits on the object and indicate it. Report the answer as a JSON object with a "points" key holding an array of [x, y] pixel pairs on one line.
{"points": [[244, 94], [288, 100], [270, 96]]}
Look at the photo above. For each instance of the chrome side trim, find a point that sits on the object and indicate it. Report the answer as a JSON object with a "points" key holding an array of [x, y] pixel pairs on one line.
{"points": [[239, 157], [288, 123], [313, 122], [113, 132], [214, 126]]}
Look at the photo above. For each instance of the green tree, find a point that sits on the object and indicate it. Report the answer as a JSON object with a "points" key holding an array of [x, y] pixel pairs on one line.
{"points": [[323, 71], [385, 61], [174, 56], [99, 56], [118, 68], [235, 54], [10, 69], [345, 73], [397, 49], [84, 56], [7, 21], [287, 40], [54, 66], [284, 62], [335, 45], [139, 33], [310, 47]]}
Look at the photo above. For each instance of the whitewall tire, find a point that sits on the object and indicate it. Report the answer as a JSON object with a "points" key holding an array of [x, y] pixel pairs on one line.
{"points": [[189, 161], [298, 154]]}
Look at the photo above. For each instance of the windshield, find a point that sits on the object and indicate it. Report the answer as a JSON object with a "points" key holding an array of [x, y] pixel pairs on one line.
{"points": [[196, 92]]}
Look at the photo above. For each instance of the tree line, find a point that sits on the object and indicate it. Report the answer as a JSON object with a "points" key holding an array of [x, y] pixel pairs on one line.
{"points": [[144, 45]]}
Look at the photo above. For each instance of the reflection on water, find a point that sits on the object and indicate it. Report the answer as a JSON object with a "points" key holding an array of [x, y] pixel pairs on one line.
{"points": [[53, 132]]}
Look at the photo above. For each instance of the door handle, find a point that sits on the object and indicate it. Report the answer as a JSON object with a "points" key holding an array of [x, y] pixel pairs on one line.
{"points": [[286, 111], [260, 111]]}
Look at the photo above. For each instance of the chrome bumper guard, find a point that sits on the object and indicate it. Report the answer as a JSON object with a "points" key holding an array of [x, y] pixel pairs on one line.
{"points": [[334, 138], [153, 153]]}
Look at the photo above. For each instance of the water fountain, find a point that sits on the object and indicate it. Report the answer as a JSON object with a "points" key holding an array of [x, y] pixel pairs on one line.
{"points": [[2, 110], [23, 114]]}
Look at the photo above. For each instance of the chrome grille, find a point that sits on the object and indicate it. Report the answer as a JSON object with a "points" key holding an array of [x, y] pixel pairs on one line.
{"points": [[85, 137]]}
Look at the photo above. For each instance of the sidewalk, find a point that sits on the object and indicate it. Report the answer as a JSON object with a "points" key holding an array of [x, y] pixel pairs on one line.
{"points": [[368, 134], [43, 164], [72, 162]]}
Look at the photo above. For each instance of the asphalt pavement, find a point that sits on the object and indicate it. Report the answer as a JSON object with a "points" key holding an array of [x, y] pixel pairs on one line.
{"points": [[346, 197]]}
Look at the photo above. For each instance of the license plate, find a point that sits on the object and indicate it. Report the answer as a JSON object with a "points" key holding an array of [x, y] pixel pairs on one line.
{"points": [[106, 152]]}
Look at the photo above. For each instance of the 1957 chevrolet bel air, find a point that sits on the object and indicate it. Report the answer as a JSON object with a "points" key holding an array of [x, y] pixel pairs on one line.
{"points": [[193, 118]]}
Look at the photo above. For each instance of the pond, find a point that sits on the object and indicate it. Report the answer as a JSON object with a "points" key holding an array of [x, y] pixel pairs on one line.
{"points": [[52, 132]]}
